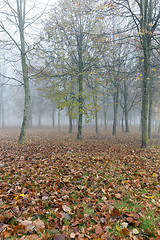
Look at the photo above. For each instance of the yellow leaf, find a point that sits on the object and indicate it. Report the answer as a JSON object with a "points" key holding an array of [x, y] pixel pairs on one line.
{"points": [[150, 24], [22, 195], [118, 228], [149, 197]]}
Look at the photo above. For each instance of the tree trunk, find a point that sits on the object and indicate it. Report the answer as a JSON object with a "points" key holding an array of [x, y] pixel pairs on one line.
{"points": [[30, 123], [125, 106], [80, 83], [2, 108], [53, 122], [105, 119], [26, 113], [150, 108], [159, 127], [115, 108], [96, 121], [59, 119], [39, 118], [123, 121], [79, 134], [70, 124], [21, 19], [145, 95]]}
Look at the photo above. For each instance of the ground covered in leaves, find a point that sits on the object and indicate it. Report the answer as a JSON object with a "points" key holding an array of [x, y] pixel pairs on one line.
{"points": [[56, 187]]}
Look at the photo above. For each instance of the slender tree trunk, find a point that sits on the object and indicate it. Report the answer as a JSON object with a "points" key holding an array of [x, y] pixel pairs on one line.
{"points": [[80, 83], [126, 106], [30, 119], [105, 118], [96, 121], [80, 111], [104, 111], [26, 112], [123, 121], [145, 96], [150, 108], [3, 117], [53, 111], [21, 19], [70, 124], [59, 119], [115, 108], [96, 107], [159, 127], [2, 108], [39, 119]]}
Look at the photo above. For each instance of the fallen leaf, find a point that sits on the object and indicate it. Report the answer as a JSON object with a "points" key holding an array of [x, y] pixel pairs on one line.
{"points": [[25, 226], [125, 232], [124, 225], [7, 233], [118, 196], [72, 235], [32, 237], [98, 229], [135, 231], [60, 237], [39, 225], [66, 209]]}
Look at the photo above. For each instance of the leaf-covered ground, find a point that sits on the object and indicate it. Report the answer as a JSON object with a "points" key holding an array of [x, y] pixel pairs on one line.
{"points": [[56, 187]]}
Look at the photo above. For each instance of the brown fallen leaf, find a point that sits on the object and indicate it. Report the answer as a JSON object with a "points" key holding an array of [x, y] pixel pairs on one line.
{"points": [[7, 233], [129, 219], [125, 232], [118, 196], [32, 237], [98, 229], [24, 226], [60, 237], [115, 213], [39, 225]]}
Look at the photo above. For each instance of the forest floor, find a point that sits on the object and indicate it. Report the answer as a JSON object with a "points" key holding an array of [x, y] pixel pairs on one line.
{"points": [[56, 187]]}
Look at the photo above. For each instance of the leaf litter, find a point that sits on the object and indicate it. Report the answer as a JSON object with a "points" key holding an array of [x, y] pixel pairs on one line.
{"points": [[54, 187]]}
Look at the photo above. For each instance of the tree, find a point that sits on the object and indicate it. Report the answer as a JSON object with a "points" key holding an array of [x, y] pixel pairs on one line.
{"points": [[70, 54], [145, 15], [15, 15]]}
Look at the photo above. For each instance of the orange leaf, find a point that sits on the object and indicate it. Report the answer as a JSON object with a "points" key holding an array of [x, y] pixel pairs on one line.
{"points": [[125, 232]]}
